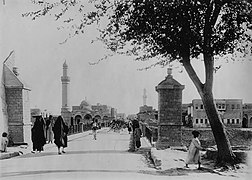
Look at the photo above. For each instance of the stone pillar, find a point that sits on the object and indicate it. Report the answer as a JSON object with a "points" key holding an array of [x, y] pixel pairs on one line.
{"points": [[169, 112]]}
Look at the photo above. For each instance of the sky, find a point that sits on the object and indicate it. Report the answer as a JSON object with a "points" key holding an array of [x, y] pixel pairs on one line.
{"points": [[116, 82]]}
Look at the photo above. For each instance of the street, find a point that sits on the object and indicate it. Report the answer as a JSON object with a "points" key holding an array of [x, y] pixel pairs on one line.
{"points": [[86, 158]]}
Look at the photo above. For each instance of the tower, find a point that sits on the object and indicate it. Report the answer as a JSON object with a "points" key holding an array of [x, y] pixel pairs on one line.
{"points": [[65, 90], [169, 112], [144, 97]]}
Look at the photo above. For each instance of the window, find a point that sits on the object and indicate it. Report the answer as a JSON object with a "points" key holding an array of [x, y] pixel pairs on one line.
{"points": [[197, 121], [233, 106], [196, 106], [201, 106], [223, 106], [228, 121], [201, 120], [205, 121], [233, 121], [237, 121]]}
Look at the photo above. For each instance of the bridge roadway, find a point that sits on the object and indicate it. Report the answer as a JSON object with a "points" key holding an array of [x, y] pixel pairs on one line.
{"points": [[85, 158]]}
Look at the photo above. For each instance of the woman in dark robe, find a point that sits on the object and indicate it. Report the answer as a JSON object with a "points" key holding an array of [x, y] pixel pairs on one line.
{"points": [[60, 131], [38, 134]]}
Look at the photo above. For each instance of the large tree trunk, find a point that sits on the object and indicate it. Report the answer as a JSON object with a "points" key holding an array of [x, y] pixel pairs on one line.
{"points": [[225, 154]]}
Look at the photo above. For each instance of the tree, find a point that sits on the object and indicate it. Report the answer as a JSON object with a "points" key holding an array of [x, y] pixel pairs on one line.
{"points": [[172, 30]]}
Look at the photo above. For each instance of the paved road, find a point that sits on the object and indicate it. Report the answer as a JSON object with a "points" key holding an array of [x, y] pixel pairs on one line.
{"points": [[105, 158]]}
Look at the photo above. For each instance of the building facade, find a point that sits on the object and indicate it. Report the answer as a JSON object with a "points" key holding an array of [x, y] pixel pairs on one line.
{"points": [[16, 102], [230, 111], [247, 115], [85, 112]]}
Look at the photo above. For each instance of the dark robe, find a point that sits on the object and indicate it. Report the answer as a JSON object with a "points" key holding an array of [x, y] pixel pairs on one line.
{"points": [[60, 131], [38, 134]]}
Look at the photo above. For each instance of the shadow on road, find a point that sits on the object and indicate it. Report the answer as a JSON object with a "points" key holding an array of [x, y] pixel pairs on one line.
{"points": [[32, 155]]}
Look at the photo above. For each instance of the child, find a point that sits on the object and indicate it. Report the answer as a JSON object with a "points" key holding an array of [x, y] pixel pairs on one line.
{"points": [[193, 153], [4, 142]]}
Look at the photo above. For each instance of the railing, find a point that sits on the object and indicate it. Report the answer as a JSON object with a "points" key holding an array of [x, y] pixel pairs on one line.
{"points": [[78, 128], [150, 132]]}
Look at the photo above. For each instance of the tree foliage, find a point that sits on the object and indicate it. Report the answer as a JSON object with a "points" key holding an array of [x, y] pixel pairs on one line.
{"points": [[167, 30], [161, 28]]}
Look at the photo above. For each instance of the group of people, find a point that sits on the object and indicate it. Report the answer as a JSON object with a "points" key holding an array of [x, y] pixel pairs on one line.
{"points": [[134, 126], [45, 131], [193, 155]]}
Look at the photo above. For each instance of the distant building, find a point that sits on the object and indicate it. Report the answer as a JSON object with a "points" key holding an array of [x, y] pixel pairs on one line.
{"points": [[230, 111], [247, 115], [85, 112], [131, 116], [146, 113], [121, 116]]}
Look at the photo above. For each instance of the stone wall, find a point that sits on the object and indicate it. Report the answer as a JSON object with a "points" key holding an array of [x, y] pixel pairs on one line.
{"points": [[26, 117], [237, 136], [15, 111]]}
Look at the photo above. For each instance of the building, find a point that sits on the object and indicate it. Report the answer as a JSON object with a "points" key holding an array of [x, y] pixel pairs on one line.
{"points": [[16, 118], [146, 113], [247, 115], [85, 112], [121, 116], [65, 80], [230, 111]]}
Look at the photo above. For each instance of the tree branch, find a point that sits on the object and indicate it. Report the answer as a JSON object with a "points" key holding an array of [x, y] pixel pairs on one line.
{"points": [[192, 74]]}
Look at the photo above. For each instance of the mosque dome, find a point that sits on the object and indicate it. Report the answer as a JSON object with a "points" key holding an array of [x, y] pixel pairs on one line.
{"points": [[85, 105]]}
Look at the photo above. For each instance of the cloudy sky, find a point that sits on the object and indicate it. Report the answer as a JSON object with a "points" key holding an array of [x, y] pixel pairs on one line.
{"points": [[115, 82]]}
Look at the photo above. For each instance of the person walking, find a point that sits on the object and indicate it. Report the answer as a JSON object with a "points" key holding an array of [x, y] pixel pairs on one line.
{"points": [[94, 128], [194, 151], [60, 130], [49, 131], [137, 136], [38, 134], [129, 125]]}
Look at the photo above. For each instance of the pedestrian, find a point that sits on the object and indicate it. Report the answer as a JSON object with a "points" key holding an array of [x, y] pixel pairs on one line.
{"points": [[60, 130], [137, 136], [49, 131], [194, 151], [94, 128], [38, 134], [129, 126], [4, 142]]}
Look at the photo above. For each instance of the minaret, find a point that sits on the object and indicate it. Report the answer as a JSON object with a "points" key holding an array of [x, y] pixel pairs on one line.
{"points": [[144, 97], [65, 81]]}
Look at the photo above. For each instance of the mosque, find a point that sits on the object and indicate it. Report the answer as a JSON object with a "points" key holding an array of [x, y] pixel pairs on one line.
{"points": [[85, 112]]}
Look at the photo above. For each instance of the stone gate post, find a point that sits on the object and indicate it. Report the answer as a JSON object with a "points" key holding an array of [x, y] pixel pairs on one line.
{"points": [[169, 112]]}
